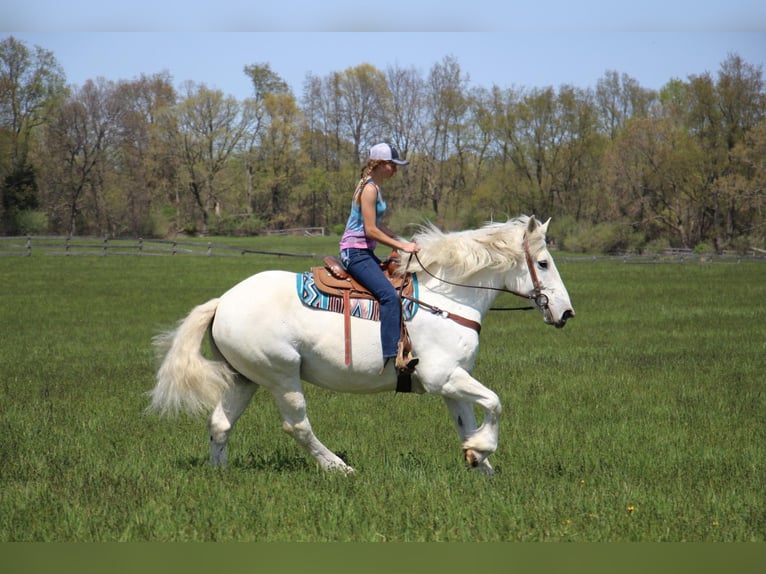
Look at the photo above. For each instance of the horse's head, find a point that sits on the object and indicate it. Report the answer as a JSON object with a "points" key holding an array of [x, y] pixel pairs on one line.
{"points": [[541, 280], [511, 256]]}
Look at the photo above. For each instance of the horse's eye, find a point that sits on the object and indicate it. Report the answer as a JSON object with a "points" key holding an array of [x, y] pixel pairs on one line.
{"points": [[543, 264]]}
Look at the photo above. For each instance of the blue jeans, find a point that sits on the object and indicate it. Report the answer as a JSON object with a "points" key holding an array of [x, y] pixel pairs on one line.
{"points": [[364, 266]]}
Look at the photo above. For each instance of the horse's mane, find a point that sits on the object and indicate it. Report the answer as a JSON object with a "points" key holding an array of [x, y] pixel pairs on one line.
{"points": [[460, 254]]}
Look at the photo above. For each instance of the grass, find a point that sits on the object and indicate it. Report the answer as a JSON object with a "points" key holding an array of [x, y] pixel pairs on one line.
{"points": [[642, 420]]}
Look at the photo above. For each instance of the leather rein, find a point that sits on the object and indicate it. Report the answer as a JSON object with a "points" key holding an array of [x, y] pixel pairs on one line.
{"points": [[537, 296]]}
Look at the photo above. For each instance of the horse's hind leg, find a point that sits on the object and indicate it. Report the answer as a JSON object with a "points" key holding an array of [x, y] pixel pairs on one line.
{"points": [[292, 407], [233, 403]]}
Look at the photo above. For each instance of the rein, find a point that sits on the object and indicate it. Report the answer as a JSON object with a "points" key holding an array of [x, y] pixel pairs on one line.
{"points": [[539, 298]]}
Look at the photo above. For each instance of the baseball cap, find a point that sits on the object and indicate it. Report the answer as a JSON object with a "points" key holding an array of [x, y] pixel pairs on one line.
{"points": [[386, 152]]}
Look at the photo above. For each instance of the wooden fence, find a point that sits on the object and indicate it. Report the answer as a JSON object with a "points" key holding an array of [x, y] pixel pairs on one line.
{"points": [[73, 246]]}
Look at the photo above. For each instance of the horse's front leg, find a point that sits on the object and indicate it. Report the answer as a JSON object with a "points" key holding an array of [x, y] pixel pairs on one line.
{"points": [[465, 422], [461, 393], [463, 416]]}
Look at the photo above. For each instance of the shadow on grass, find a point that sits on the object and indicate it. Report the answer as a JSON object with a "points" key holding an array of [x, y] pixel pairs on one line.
{"points": [[276, 461]]}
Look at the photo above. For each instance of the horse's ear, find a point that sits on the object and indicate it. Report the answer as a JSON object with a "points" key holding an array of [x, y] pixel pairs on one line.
{"points": [[533, 225]]}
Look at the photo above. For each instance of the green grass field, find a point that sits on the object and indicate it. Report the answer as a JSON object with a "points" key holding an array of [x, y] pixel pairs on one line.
{"points": [[643, 420]]}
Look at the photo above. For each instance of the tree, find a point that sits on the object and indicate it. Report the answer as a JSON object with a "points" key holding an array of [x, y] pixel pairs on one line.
{"points": [[404, 125], [279, 157], [446, 106], [575, 181], [79, 141], [362, 93], [654, 170], [265, 83], [745, 185], [145, 171], [741, 98], [31, 81], [323, 123], [619, 98], [742, 103], [210, 126]]}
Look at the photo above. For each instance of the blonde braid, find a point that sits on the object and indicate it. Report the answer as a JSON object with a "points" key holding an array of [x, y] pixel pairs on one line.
{"points": [[366, 171]]}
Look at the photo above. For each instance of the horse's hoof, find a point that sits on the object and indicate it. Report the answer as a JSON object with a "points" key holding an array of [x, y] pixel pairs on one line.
{"points": [[471, 457]]}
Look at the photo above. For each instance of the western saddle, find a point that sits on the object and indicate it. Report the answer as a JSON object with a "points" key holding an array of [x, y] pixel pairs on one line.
{"points": [[333, 279]]}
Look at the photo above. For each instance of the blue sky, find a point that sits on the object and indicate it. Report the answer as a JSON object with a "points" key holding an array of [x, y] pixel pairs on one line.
{"points": [[504, 43]]}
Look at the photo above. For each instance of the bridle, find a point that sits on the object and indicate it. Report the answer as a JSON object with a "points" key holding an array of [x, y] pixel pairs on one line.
{"points": [[537, 296]]}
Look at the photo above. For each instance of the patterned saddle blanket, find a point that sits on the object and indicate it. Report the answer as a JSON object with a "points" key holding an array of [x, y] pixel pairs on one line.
{"points": [[313, 294]]}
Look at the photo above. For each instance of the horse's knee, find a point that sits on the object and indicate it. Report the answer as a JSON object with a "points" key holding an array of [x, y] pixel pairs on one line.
{"points": [[492, 403]]}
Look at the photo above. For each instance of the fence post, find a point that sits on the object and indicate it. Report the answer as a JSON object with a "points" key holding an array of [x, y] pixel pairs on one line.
{"points": [[174, 247], [140, 245], [209, 248], [68, 244], [29, 245]]}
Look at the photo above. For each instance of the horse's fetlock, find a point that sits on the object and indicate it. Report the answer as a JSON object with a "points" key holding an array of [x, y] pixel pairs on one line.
{"points": [[294, 429], [219, 437]]}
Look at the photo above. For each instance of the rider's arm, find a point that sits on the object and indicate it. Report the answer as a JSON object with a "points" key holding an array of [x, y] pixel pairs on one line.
{"points": [[381, 234]]}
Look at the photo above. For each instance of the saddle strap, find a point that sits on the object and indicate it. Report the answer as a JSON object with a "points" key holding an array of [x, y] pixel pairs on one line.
{"points": [[459, 319], [347, 324]]}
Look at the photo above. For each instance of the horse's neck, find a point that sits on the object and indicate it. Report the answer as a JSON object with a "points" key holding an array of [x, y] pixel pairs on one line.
{"points": [[469, 301]]}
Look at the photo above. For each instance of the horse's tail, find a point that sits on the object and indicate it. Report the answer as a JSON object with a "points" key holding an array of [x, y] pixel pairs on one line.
{"points": [[186, 380]]}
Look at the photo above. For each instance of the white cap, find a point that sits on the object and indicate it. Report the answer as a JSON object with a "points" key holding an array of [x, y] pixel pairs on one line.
{"points": [[386, 152]]}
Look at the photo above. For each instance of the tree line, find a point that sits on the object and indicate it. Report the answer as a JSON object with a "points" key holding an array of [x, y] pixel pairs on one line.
{"points": [[618, 166]]}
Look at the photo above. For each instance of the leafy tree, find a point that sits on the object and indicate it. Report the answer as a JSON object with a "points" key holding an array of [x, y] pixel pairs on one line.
{"points": [[265, 83], [619, 98], [745, 185], [209, 128], [79, 141], [362, 94], [280, 158], [404, 126], [31, 81], [618, 164], [145, 172], [444, 153]]}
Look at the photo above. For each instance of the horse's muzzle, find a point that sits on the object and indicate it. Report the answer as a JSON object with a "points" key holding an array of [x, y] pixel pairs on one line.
{"points": [[565, 316]]}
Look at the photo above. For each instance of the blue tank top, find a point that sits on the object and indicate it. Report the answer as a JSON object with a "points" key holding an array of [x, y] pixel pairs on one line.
{"points": [[354, 235]]}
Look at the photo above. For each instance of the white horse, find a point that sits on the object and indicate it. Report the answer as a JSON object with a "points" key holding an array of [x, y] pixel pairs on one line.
{"points": [[262, 335]]}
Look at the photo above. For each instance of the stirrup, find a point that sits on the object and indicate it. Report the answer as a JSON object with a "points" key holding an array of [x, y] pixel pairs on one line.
{"points": [[406, 366], [405, 362], [404, 370], [403, 382]]}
